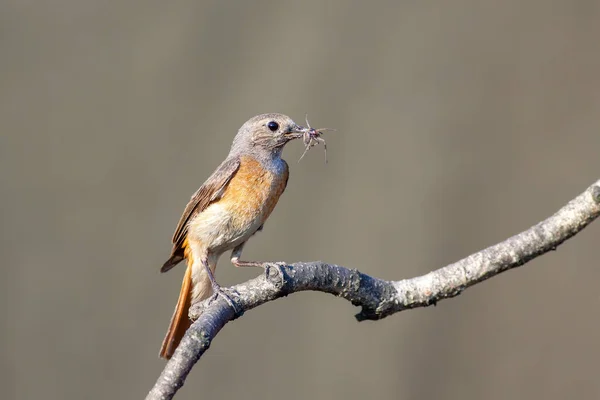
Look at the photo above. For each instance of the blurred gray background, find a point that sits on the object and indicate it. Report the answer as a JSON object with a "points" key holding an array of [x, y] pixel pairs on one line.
{"points": [[459, 124]]}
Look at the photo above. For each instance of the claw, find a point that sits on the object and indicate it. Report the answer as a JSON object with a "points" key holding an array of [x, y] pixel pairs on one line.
{"points": [[217, 291], [278, 267]]}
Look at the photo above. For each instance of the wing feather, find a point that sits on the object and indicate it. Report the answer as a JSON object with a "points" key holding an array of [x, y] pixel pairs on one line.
{"points": [[209, 192]]}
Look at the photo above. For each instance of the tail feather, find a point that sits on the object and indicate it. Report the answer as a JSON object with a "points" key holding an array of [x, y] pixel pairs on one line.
{"points": [[180, 321], [195, 287], [175, 259]]}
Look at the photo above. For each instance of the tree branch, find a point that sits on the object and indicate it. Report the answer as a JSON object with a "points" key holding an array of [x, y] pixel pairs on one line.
{"points": [[378, 298]]}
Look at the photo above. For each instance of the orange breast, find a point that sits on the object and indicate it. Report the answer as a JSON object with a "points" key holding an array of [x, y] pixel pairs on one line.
{"points": [[253, 193]]}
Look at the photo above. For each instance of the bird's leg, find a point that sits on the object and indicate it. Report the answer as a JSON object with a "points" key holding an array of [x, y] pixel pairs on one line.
{"points": [[237, 253], [235, 260], [217, 288]]}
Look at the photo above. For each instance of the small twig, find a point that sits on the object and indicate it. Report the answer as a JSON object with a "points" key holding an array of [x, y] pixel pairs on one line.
{"points": [[378, 298]]}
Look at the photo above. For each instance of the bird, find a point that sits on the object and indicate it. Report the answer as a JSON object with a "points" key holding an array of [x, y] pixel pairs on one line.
{"points": [[230, 207]]}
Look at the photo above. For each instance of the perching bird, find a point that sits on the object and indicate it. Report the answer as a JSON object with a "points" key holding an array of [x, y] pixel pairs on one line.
{"points": [[230, 207]]}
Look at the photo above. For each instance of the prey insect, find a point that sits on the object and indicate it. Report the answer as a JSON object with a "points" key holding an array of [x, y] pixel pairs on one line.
{"points": [[312, 137]]}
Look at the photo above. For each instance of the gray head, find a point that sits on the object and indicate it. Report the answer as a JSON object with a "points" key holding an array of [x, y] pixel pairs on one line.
{"points": [[265, 135]]}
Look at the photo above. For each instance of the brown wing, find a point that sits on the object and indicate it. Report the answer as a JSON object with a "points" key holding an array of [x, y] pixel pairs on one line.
{"points": [[210, 191]]}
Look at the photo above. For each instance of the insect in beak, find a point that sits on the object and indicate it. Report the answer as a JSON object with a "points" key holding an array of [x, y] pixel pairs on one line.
{"points": [[311, 137]]}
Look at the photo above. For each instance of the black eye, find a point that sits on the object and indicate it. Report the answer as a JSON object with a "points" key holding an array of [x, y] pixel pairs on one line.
{"points": [[273, 126]]}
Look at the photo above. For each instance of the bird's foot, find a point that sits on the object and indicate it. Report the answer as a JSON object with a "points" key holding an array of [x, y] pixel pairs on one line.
{"points": [[272, 269], [274, 272], [218, 291]]}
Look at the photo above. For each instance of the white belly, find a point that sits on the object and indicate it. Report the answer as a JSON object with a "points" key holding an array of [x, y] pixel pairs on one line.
{"points": [[219, 229]]}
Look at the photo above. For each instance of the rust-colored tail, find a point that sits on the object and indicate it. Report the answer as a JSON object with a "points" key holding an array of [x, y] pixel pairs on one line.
{"points": [[196, 286], [180, 321]]}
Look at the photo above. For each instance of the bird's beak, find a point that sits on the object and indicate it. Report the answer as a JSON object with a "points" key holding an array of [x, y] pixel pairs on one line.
{"points": [[296, 132]]}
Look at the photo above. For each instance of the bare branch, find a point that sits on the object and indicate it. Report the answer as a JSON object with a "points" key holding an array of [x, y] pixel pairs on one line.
{"points": [[378, 298]]}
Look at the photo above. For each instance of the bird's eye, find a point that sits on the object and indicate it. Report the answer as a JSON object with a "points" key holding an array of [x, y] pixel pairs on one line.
{"points": [[273, 126]]}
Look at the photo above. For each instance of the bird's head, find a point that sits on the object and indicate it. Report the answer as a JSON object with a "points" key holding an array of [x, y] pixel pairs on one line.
{"points": [[267, 134]]}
